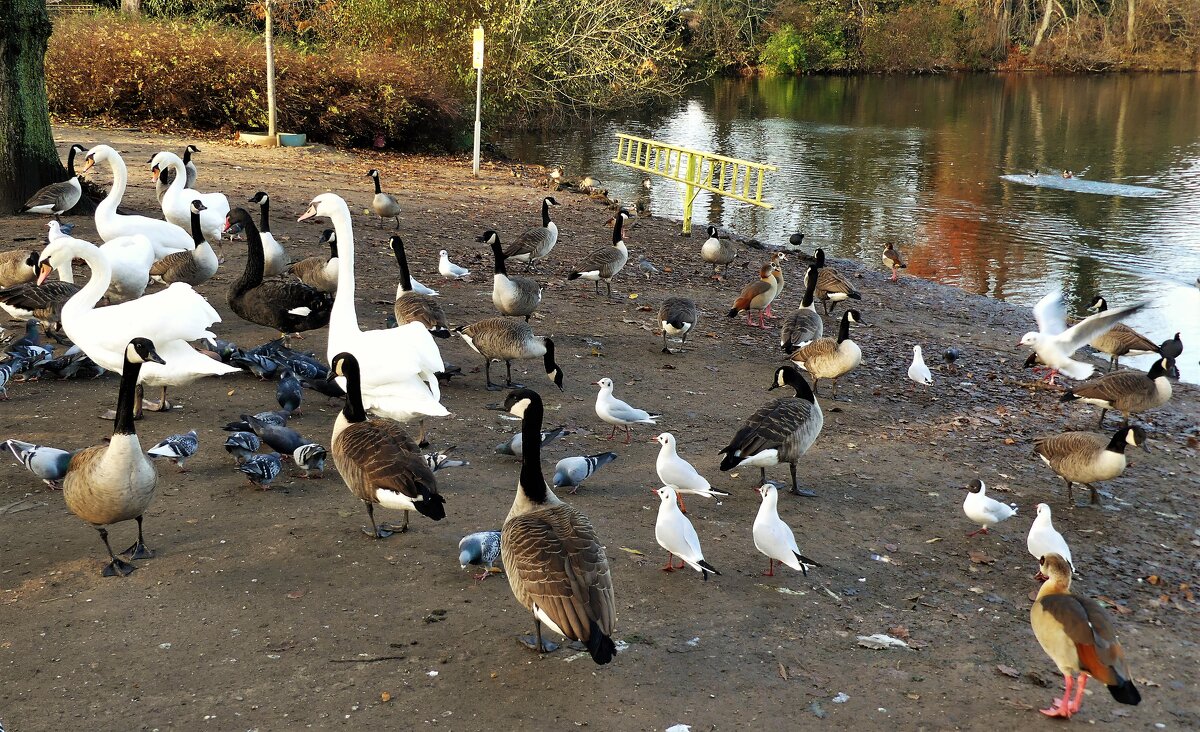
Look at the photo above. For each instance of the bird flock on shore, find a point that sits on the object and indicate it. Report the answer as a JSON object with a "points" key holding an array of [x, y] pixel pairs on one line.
{"points": [[390, 378]]}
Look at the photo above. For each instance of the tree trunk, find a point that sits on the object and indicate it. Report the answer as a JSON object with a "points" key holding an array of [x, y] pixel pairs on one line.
{"points": [[1129, 25], [28, 159], [272, 113], [133, 7], [1041, 32]]}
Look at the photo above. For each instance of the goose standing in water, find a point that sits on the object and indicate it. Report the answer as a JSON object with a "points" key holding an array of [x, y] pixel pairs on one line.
{"points": [[555, 563], [107, 484], [377, 459]]}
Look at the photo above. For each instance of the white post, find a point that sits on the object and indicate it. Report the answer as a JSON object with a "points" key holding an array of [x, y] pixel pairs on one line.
{"points": [[272, 113], [477, 63]]}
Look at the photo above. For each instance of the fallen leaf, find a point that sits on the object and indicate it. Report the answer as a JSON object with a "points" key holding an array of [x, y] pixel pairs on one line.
{"points": [[295, 594], [899, 631], [978, 557], [1113, 605], [1153, 579], [645, 309], [1008, 671], [385, 697], [783, 674], [633, 296], [633, 551], [230, 392], [1009, 441], [934, 540]]}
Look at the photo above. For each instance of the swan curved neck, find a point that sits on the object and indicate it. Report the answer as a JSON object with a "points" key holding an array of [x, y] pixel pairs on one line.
{"points": [[120, 180], [98, 282], [343, 300], [176, 186]]}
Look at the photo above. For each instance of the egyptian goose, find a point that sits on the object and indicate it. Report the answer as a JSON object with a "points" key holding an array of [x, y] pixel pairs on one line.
{"points": [[892, 260], [756, 296]]}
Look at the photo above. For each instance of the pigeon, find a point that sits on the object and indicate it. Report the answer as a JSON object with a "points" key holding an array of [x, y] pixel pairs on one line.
{"points": [[289, 392], [481, 549], [775, 538], [177, 449], [242, 425], [918, 371], [327, 387], [951, 356], [679, 473], [284, 440], [264, 367], [618, 413], [984, 510], [1043, 539], [7, 371], [513, 445], [311, 459], [48, 463], [1055, 344], [262, 469], [31, 337], [450, 270], [74, 364], [242, 445], [648, 267], [440, 459], [676, 534], [572, 471]]}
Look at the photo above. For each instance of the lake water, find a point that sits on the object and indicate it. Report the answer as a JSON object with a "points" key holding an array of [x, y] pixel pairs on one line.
{"points": [[918, 160]]}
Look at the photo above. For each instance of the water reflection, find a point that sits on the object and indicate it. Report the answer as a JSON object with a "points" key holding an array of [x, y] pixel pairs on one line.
{"points": [[918, 159]]}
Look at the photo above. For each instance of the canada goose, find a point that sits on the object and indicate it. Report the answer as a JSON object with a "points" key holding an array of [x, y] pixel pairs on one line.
{"points": [[803, 326], [501, 339], [675, 533], [287, 305], [717, 252], [1078, 635], [618, 413], [774, 538], [756, 296], [377, 459], [177, 449], [1055, 343], [983, 510], [677, 317], [781, 431], [892, 260], [1128, 392], [411, 307], [42, 302], [535, 244], [510, 295], [58, 198], [1120, 340], [384, 205], [18, 267], [195, 266], [570, 472], [318, 271], [275, 260], [556, 565], [605, 263], [826, 358], [832, 286], [107, 484], [776, 272], [1086, 457]]}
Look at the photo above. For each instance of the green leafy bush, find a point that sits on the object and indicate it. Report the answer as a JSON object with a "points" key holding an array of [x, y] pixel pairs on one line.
{"points": [[783, 53], [203, 76]]}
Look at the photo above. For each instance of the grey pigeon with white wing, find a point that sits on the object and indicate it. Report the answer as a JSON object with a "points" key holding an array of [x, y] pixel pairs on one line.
{"points": [[48, 463], [310, 459], [572, 471], [242, 445], [481, 549], [177, 449], [262, 469]]}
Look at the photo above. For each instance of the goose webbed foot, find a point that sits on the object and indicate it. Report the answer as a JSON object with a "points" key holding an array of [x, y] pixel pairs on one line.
{"points": [[803, 492], [118, 568], [494, 387], [378, 532], [139, 550], [156, 406], [515, 385], [542, 646]]}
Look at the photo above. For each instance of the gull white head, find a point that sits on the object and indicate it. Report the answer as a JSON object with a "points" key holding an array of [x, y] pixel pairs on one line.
{"points": [[666, 494], [605, 384], [666, 439]]}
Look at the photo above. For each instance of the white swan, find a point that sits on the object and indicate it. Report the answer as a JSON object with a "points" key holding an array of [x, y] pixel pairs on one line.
{"points": [[177, 200], [398, 365], [169, 318], [166, 237], [130, 258]]}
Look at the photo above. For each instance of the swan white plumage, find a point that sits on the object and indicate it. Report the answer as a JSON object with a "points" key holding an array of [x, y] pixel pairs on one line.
{"points": [[169, 318], [166, 237], [130, 258], [398, 365], [177, 200]]}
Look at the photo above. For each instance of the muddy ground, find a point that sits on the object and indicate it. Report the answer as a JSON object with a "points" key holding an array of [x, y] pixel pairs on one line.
{"points": [[270, 610]]}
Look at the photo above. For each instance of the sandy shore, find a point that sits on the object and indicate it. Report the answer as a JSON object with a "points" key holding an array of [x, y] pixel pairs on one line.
{"points": [[270, 610]]}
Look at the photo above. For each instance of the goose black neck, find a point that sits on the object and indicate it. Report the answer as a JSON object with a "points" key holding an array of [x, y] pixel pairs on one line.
{"points": [[844, 328], [618, 229], [1117, 443], [810, 287], [197, 234], [187, 155], [71, 163], [126, 397], [264, 215], [820, 258], [800, 386], [402, 260], [1157, 369], [353, 410], [498, 253], [333, 249], [252, 276], [378, 188], [545, 213], [547, 359], [532, 481]]}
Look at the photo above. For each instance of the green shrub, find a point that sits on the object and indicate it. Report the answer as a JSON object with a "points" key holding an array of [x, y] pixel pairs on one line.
{"points": [[783, 53], [203, 76]]}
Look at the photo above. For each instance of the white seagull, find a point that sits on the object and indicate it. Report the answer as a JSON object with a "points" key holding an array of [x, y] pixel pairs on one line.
{"points": [[918, 371], [676, 534], [618, 413], [1043, 539], [679, 473], [984, 510], [775, 538], [450, 270], [1055, 343]]}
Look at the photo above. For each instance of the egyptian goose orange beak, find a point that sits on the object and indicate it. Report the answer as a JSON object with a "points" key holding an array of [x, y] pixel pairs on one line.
{"points": [[1079, 637]]}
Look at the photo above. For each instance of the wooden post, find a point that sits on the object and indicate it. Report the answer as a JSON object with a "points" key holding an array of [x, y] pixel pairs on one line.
{"points": [[689, 194], [272, 112]]}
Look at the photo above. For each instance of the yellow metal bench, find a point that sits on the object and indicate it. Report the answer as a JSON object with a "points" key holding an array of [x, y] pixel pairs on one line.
{"points": [[698, 171]]}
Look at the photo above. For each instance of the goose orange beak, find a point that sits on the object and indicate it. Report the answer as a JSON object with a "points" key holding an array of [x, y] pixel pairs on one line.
{"points": [[44, 270]]}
